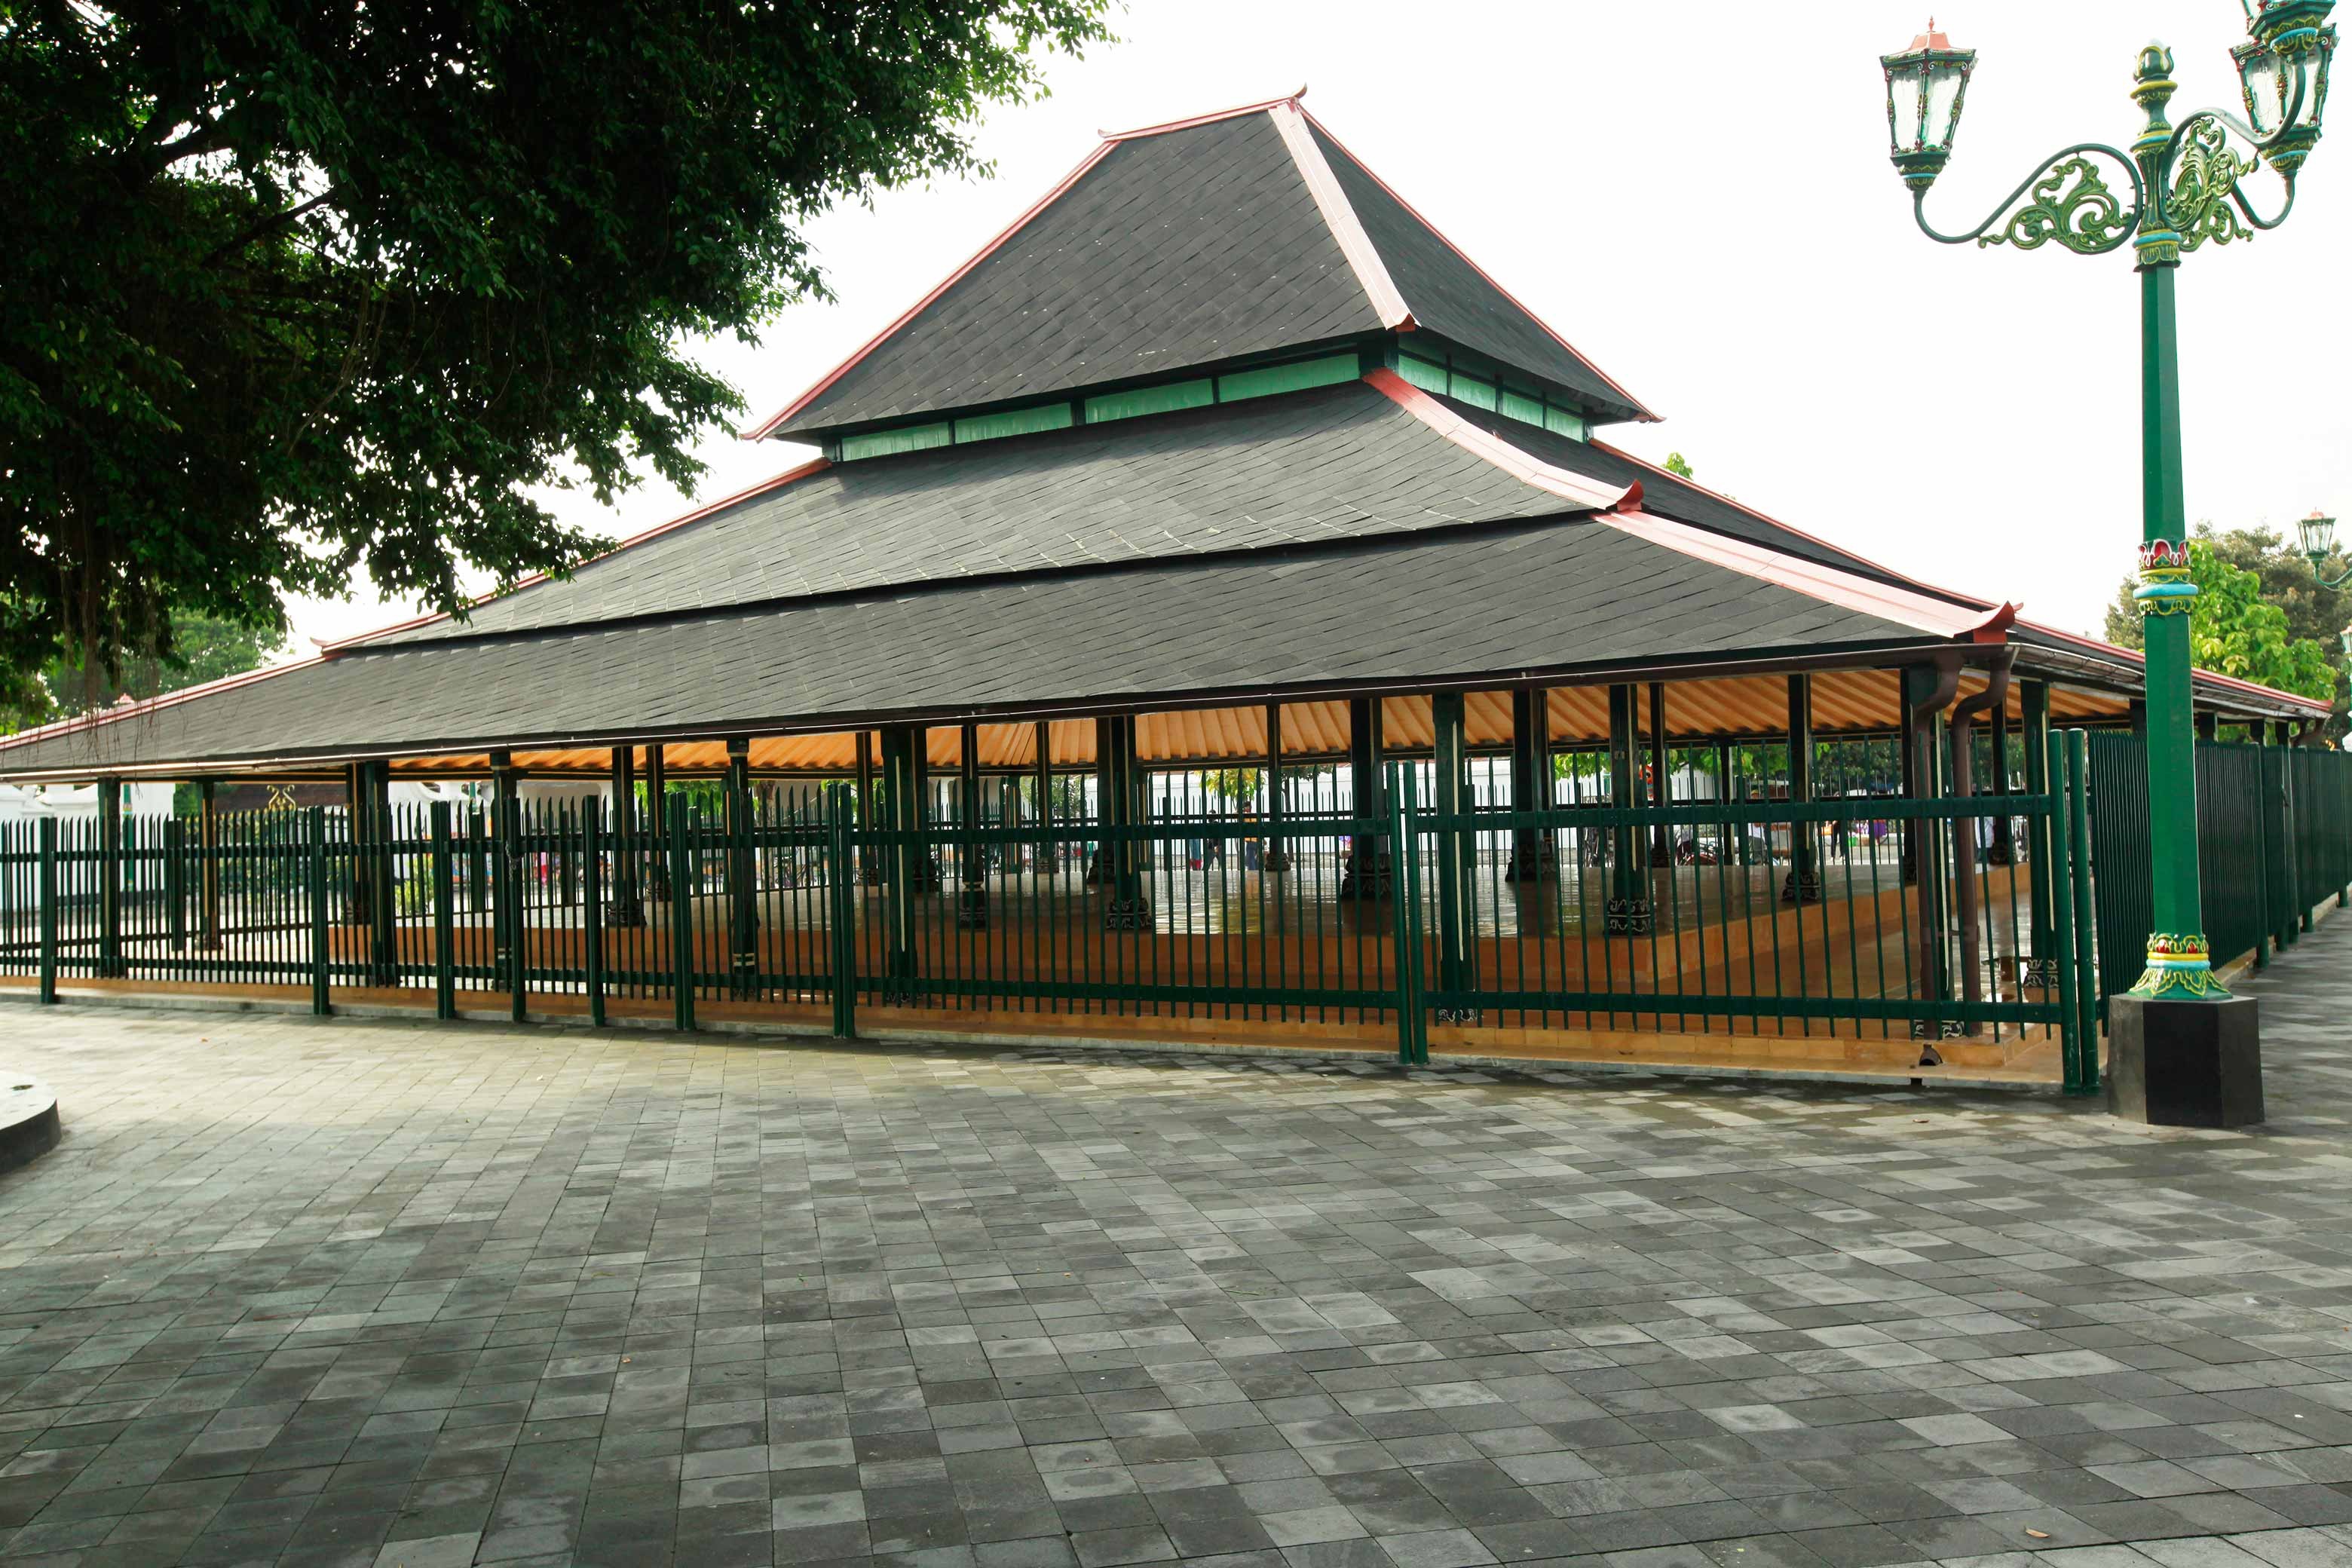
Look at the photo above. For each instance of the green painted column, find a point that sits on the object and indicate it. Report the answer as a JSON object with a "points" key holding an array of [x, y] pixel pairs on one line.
{"points": [[1659, 784], [1451, 802], [383, 954], [2033, 697], [1928, 692], [869, 862], [624, 907], [1627, 912], [2179, 965], [656, 837], [1804, 879], [1369, 869], [1128, 907], [2003, 851], [742, 873], [902, 817], [208, 845], [1049, 852], [110, 878], [1532, 847], [508, 933], [1273, 855], [972, 860]]}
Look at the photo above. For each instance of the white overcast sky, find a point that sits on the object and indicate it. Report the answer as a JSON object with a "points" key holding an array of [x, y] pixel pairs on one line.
{"points": [[1697, 197]]}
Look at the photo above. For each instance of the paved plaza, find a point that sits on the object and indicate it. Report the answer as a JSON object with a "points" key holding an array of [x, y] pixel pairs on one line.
{"points": [[386, 1293]]}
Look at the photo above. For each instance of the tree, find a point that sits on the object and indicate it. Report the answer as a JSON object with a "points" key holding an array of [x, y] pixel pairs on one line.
{"points": [[300, 290], [2259, 615], [1676, 466], [205, 648]]}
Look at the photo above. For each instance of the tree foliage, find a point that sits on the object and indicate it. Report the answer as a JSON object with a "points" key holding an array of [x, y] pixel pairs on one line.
{"points": [[204, 647], [2260, 614], [1676, 466], [303, 289]]}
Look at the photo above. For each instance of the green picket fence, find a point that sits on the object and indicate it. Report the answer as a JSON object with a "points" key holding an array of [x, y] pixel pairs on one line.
{"points": [[2273, 840]]}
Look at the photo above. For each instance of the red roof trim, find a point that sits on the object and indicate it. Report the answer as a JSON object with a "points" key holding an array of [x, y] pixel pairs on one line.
{"points": [[767, 428], [121, 711], [1210, 118], [1631, 400], [1529, 469], [776, 481], [1339, 216]]}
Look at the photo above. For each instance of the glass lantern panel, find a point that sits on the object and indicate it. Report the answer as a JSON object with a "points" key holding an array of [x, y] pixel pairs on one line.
{"points": [[2258, 69], [1902, 91], [2315, 97], [1942, 96], [2318, 536]]}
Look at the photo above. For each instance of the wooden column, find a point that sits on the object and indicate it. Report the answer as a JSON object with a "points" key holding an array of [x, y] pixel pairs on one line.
{"points": [[1532, 847], [208, 845], [1627, 912], [869, 861], [1804, 879], [2207, 724], [742, 873], [928, 872], [972, 860], [656, 824]]}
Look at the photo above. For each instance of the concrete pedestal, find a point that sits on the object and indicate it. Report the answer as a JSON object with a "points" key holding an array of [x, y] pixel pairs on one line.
{"points": [[28, 1117], [2184, 1064]]}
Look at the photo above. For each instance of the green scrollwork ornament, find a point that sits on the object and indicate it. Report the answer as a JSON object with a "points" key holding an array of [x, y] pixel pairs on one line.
{"points": [[2082, 215], [2206, 177]]}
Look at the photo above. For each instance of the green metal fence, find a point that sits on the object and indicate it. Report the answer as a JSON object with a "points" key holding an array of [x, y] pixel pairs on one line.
{"points": [[2275, 841], [1903, 925]]}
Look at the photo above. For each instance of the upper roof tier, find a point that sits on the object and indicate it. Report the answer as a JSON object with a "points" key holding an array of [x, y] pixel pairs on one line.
{"points": [[1233, 236]]}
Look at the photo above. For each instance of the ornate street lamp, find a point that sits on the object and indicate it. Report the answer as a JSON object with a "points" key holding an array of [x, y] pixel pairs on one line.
{"points": [[2179, 190], [2318, 531]]}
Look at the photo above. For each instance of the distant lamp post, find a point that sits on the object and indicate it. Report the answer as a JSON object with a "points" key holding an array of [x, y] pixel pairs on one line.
{"points": [[2179, 188], [2318, 531]]}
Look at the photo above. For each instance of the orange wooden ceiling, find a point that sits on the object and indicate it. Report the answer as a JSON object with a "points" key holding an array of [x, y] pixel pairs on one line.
{"points": [[1844, 701]]}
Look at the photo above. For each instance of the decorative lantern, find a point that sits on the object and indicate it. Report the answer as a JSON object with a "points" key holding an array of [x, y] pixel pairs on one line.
{"points": [[2292, 40], [2318, 532], [1926, 86]]}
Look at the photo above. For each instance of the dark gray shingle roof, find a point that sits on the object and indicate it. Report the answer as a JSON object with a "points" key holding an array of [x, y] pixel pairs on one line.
{"points": [[1175, 249], [1545, 595], [1336, 462]]}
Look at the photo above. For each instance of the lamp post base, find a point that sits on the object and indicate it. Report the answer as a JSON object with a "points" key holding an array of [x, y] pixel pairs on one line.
{"points": [[2185, 1063]]}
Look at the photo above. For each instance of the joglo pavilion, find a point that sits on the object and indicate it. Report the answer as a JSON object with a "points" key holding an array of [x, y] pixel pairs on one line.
{"points": [[1215, 613]]}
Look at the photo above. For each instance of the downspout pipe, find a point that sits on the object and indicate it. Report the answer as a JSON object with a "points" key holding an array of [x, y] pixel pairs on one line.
{"points": [[1964, 833]]}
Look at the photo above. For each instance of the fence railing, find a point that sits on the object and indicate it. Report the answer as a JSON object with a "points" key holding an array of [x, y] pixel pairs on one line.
{"points": [[2274, 841], [1899, 926]]}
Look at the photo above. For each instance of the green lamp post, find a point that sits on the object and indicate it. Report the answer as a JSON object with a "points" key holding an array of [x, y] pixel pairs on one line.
{"points": [[2180, 190]]}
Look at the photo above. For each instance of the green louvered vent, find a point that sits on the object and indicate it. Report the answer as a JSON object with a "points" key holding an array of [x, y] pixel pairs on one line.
{"points": [[1482, 391]]}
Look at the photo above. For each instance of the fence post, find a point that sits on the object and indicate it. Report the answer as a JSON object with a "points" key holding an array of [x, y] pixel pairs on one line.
{"points": [[110, 878], [592, 888], [321, 956], [1413, 1029], [2078, 789], [681, 913], [175, 883], [444, 920], [1450, 799], [46, 894], [2059, 846]]}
